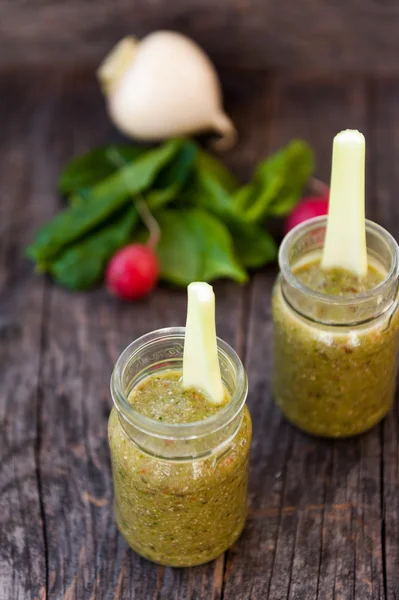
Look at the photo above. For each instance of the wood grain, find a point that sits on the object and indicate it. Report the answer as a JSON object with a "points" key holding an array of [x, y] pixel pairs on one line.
{"points": [[83, 335], [323, 521], [254, 34], [23, 205], [385, 137], [315, 514]]}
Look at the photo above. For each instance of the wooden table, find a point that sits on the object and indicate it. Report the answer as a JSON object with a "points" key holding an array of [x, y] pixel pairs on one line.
{"points": [[324, 516]]}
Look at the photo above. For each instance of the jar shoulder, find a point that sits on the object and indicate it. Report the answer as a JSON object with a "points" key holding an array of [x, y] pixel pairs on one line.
{"points": [[299, 330]]}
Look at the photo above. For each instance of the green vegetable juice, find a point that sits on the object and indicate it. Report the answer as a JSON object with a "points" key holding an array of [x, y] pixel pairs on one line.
{"points": [[334, 380], [179, 512], [336, 282], [163, 398]]}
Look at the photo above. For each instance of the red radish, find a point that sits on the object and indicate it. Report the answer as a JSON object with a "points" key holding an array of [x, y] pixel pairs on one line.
{"points": [[307, 208], [132, 272]]}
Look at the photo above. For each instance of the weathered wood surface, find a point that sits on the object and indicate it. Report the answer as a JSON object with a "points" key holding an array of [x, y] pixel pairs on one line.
{"points": [[255, 34], [324, 516]]}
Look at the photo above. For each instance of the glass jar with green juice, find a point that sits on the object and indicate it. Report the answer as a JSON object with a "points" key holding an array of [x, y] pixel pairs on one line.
{"points": [[335, 336], [179, 463]]}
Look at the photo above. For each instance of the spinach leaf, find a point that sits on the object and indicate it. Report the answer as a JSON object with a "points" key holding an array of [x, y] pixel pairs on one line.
{"points": [[196, 246], [254, 245], [210, 194], [172, 177], [278, 183], [254, 199], [295, 165], [82, 265], [104, 200], [214, 228], [209, 165], [243, 196], [85, 171]]}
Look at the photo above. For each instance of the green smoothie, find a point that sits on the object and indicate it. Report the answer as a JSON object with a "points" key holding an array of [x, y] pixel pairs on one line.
{"points": [[178, 512], [330, 380], [337, 282], [163, 398]]}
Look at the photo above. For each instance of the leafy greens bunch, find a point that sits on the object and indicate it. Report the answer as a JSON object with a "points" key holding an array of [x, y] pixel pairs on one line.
{"points": [[210, 226]]}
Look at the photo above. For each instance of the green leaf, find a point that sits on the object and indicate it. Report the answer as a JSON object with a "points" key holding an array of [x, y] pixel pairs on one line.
{"points": [[254, 245], [209, 165], [278, 183], [295, 166], [86, 170], [259, 199], [173, 177], [210, 194], [242, 197], [105, 199], [82, 265], [196, 246]]}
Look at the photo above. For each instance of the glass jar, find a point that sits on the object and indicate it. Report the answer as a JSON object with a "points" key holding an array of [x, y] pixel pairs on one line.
{"points": [[180, 490], [334, 356]]}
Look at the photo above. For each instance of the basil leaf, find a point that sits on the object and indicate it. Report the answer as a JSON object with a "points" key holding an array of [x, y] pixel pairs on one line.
{"points": [[254, 245], [278, 183], [105, 199], [82, 265], [86, 170], [196, 246]]}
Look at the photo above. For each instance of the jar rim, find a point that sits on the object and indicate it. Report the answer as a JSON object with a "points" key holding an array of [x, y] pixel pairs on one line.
{"points": [[178, 431], [360, 298]]}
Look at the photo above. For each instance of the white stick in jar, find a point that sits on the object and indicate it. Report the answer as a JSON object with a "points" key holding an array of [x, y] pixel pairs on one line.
{"points": [[201, 368], [345, 242]]}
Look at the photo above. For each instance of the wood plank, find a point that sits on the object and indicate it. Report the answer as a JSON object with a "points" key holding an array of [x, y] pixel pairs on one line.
{"points": [[250, 34], [24, 125], [83, 336], [323, 517], [385, 143], [335, 478], [315, 517]]}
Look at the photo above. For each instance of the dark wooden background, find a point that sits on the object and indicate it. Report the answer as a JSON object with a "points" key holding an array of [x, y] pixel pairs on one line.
{"points": [[324, 517], [334, 34]]}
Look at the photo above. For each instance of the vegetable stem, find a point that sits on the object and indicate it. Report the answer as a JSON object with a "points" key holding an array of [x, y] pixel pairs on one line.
{"points": [[345, 243], [201, 368], [225, 128], [142, 207], [149, 221]]}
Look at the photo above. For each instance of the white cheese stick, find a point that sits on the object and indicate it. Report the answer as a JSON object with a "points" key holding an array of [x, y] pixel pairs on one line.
{"points": [[201, 368], [345, 242]]}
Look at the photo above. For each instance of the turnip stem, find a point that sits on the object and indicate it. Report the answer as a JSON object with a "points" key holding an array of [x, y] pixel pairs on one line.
{"points": [[345, 242], [228, 133]]}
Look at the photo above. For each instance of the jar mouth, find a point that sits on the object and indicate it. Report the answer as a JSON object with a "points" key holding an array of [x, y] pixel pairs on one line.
{"points": [[182, 431], [312, 226]]}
